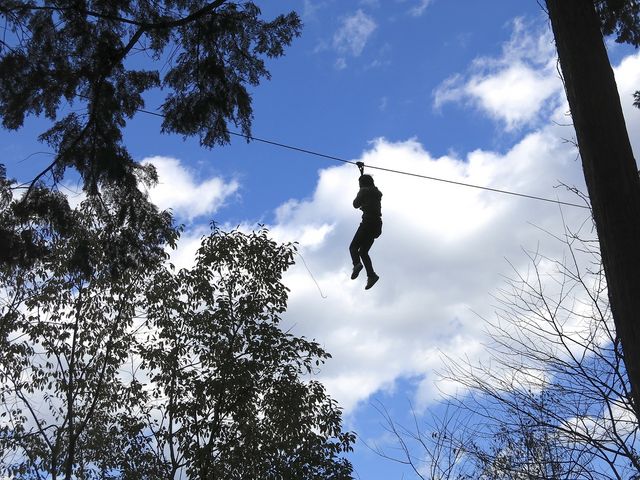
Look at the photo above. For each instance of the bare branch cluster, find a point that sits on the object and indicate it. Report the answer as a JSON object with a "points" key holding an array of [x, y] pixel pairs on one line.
{"points": [[551, 400]]}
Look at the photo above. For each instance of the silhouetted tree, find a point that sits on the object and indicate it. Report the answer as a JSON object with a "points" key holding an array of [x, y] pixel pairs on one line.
{"points": [[160, 374], [236, 404], [205, 54], [609, 167], [621, 19], [78, 64]]}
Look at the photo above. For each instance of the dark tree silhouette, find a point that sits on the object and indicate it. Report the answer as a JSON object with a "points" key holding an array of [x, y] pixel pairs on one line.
{"points": [[78, 64], [160, 374], [607, 159], [203, 54]]}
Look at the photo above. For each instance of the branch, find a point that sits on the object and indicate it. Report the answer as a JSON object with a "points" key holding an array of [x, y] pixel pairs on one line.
{"points": [[56, 160], [35, 417], [71, 386], [143, 25]]}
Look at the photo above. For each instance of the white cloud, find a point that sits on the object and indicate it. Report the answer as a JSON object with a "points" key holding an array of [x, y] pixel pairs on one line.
{"points": [[190, 241], [518, 88], [179, 190], [627, 80], [341, 63], [616, 422], [440, 257], [443, 250], [353, 35], [418, 10], [310, 9], [441, 254], [514, 94]]}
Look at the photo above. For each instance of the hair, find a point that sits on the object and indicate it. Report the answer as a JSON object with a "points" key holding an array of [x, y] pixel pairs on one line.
{"points": [[366, 180]]}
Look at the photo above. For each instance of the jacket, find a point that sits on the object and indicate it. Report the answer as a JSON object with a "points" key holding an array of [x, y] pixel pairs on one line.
{"points": [[368, 200]]}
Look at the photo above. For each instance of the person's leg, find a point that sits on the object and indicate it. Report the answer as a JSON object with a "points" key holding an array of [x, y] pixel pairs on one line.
{"points": [[372, 232], [365, 246], [354, 247]]}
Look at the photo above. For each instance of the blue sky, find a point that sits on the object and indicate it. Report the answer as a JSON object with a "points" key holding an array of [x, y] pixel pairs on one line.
{"points": [[464, 90]]}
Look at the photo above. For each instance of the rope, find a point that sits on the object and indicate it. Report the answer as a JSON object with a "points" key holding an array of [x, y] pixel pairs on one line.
{"points": [[391, 170], [311, 275]]}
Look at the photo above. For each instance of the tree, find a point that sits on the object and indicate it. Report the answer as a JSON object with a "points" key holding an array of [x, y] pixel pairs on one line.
{"points": [[236, 406], [77, 63], [66, 329], [607, 159], [112, 364], [147, 373], [620, 18], [56, 54], [552, 400], [525, 449]]}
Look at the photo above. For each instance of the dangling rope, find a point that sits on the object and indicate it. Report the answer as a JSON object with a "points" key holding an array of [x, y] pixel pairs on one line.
{"points": [[311, 275]]}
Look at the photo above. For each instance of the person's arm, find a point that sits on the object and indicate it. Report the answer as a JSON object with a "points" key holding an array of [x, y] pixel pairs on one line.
{"points": [[357, 202]]}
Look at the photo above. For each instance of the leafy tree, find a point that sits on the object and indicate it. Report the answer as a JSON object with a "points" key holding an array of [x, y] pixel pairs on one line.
{"points": [[59, 53], [620, 18], [236, 405], [133, 370], [112, 364], [66, 331], [607, 159], [77, 63]]}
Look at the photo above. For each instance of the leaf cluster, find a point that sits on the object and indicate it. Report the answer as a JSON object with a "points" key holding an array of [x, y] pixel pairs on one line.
{"points": [[238, 404], [34, 228], [620, 18], [121, 367], [203, 55]]}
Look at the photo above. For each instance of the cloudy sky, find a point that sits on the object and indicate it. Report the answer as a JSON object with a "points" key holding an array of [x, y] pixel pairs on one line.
{"points": [[461, 90]]}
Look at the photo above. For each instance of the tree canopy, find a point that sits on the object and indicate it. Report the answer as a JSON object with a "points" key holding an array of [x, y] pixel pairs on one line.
{"points": [[203, 55], [159, 373], [77, 64], [113, 364], [620, 18]]}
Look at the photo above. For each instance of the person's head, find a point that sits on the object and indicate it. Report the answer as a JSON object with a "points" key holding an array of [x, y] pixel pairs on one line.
{"points": [[365, 180]]}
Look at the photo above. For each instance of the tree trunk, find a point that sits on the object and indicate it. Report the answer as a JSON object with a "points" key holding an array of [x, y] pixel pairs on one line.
{"points": [[609, 167]]}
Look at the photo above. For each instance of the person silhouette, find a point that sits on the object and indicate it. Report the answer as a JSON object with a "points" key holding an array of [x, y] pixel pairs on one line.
{"points": [[368, 200]]}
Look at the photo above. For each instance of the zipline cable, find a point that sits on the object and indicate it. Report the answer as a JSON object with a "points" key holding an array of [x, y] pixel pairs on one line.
{"points": [[391, 170]]}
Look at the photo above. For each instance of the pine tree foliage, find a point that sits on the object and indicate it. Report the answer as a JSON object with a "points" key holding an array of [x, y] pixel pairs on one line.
{"points": [[87, 65], [59, 56]]}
